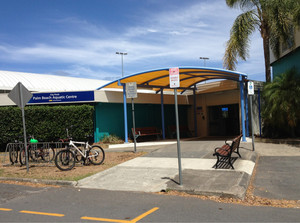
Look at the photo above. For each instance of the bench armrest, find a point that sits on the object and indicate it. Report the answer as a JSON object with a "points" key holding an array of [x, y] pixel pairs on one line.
{"points": [[220, 148], [228, 141], [217, 149]]}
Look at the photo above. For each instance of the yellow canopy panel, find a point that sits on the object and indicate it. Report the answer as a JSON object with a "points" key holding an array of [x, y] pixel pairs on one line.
{"points": [[157, 79]]}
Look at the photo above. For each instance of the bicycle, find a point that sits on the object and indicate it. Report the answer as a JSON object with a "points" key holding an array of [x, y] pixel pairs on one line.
{"points": [[46, 152], [66, 158], [35, 151], [14, 150]]}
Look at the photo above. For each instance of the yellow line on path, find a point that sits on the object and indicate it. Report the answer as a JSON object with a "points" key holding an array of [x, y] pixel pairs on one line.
{"points": [[42, 213], [121, 221], [104, 219], [144, 215], [5, 209]]}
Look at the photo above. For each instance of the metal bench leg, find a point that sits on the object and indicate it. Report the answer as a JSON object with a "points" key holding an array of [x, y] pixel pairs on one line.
{"points": [[237, 152], [218, 160], [229, 161]]}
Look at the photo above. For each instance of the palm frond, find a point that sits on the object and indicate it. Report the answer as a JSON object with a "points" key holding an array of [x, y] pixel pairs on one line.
{"points": [[283, 15], [282, 103], [230, 56], [242, 4], [239, 43]]}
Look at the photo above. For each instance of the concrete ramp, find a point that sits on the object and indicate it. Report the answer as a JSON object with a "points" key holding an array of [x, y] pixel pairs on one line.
{"points": [[155, 174]]}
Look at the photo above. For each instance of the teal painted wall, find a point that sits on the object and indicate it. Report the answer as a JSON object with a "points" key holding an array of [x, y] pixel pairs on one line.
{"points": [[287, 63], [109, 117]]}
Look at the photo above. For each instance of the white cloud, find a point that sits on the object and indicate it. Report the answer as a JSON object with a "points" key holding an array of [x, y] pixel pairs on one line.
{"points": [[158, 40]]}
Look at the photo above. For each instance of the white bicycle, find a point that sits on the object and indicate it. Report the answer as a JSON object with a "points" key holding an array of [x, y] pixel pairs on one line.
{"points": [[66, 158]]}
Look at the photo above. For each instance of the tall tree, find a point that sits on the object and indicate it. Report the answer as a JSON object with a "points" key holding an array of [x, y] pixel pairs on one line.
{"points": [[274, 19]]}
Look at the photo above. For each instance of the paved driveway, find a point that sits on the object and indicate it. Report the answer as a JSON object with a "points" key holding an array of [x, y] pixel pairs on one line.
{"points": [[278, 174]]}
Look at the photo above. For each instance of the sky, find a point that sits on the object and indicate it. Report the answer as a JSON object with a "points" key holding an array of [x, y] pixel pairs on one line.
{"points": [[80, 38]]}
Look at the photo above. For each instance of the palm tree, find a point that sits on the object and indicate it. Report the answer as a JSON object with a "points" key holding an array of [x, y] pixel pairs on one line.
{"points": [[274, 19], [282, 102]]}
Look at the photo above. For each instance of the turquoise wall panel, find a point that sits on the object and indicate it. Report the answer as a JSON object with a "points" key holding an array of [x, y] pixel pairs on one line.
{"points": [[109, 117], [288, 62]]}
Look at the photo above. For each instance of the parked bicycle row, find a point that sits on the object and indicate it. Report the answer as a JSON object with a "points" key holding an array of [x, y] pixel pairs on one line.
{"points": [[64, 153], [36, 152]]}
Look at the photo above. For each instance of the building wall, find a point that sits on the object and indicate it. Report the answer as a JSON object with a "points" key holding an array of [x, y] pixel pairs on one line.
{"points": [[109, 117], [289, 57], [151, 98], [286, 63], [203, 101]]}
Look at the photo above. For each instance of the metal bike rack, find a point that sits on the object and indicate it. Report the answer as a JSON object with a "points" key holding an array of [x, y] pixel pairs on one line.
{"points": [[18, 146]]}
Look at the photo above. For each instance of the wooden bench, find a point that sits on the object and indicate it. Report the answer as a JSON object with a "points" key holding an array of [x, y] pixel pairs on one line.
{"points": [[224, 153], [146, 131]]}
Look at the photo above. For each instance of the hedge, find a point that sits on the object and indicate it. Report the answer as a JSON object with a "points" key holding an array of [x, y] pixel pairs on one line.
{"points": [[46, 123]]}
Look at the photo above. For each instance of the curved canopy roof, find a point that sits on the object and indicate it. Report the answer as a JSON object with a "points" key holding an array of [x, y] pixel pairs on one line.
{"points": [[189, 76]]}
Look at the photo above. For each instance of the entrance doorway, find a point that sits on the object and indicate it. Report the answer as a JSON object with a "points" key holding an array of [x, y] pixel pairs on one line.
{"points": [[224, 120]]}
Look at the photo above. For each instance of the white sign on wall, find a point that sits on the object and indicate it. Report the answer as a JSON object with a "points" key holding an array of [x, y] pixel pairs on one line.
{"points": [[131, 90], [174, 77], [250, 88]]}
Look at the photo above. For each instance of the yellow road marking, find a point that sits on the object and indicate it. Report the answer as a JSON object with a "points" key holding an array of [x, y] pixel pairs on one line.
{"points": [[42, 213], [104, 219], [144, 215], [5, 209], [121, 221]]}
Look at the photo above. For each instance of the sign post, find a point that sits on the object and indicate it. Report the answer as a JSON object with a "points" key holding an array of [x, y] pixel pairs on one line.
{"points": [[175, 83], [251, 93], [131, 92], [20, 96]]}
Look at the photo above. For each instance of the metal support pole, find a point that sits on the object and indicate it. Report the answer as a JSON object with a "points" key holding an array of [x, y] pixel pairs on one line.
{"points": [[178, 137], [259, 112], [195, 112], [122, 65], [247, 112], [24, 128], [242, 107], [162, 113], [133, 122], [125, 114], [252, 121]]}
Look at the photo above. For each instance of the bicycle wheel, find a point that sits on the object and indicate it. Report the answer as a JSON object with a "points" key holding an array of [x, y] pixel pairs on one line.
{"points": [[13, 154], [33, 152], [48, 154], [96, 155], [22, 156], [65, 160]]}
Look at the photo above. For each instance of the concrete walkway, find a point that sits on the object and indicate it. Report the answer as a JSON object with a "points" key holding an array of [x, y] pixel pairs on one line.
{"points": [[158, 170]]}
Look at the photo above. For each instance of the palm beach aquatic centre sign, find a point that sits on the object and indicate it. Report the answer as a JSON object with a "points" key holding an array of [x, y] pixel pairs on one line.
{"points": [[62, 97]]}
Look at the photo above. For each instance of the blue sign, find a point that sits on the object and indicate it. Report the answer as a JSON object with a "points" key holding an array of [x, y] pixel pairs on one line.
{"points": [[79, 96]]}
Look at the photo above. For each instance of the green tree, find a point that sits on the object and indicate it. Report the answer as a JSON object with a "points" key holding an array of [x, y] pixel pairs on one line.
{"points": [[274, 19], [282, 103]]}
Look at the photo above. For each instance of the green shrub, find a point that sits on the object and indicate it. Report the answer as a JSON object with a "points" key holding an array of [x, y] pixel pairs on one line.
{"points": [[112, 139], [46, 123], [282, 105]]}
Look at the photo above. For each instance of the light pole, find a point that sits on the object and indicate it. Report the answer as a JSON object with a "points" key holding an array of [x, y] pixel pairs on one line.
{"points": [[122, 54], [204, 60]]}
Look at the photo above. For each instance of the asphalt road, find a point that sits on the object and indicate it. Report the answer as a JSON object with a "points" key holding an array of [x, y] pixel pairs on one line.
{"points": [[67, 204]]}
